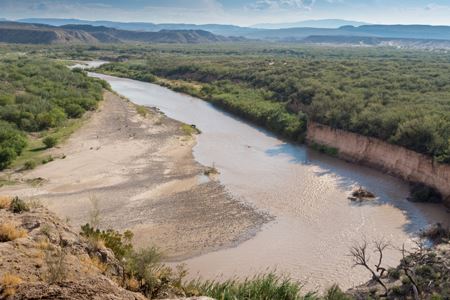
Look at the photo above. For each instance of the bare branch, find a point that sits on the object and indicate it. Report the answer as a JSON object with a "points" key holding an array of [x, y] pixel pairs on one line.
{"points": [[360, 258], [380, 247]]}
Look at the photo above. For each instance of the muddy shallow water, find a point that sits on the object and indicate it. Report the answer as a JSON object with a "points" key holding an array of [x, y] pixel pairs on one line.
{"points": [[306, 193]]}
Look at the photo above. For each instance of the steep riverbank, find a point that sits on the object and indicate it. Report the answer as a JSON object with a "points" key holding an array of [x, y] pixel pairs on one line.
{"points": [[139, 173], [409, 165]]}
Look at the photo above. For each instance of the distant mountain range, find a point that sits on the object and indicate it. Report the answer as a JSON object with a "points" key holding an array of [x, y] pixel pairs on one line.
{"points": [[82, 31], [381, 31], [225, 30], [350, 28], [325, 23], [14, 32]]}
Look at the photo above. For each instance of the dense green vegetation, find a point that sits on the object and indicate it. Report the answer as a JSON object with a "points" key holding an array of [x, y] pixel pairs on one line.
{"points": [[38, 96], [399, 97]]}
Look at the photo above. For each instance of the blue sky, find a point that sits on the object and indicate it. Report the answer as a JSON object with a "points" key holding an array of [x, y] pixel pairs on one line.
{"points": [[241, 12]]}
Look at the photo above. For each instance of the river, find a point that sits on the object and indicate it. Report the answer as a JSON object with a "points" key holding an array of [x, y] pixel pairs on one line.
{"points": [[306, 192]]}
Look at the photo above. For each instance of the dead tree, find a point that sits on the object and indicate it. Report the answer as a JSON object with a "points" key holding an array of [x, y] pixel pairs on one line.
{"points": [[407, 265], [361, 258], [380, 247]]}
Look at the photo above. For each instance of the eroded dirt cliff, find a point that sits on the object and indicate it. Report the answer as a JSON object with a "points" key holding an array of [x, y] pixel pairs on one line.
{"points": [[407, 164]]}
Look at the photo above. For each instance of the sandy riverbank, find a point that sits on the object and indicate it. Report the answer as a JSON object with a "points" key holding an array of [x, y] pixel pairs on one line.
{"points": [[141, 174]]}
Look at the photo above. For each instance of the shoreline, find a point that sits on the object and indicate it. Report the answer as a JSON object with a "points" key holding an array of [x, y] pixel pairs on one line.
{"points": [[140, 174]]}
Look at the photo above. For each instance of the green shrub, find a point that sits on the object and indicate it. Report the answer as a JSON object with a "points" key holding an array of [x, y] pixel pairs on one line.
{"points": [[50, 141], [422, 193], [436, 297], [119, 243], [47, 159], [12, 142], [394, 273], [145, 266], [7, 155], [190, 129], [18, 206], [264, 287], [29, 165], [74, 110], [335, 293], [397, 291], [142, 110], [325, 149]]}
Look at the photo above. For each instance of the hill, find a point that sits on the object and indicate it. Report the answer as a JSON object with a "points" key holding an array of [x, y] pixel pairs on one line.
{"points": [[225, 30], [325, 23], [106, 35], [12, 32], [21, 33]]}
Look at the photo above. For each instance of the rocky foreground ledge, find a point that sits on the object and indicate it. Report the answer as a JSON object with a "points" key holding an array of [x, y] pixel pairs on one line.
{"points": [[41, 257]]}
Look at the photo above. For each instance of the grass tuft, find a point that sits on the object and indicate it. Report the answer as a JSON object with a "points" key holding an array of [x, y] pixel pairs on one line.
{"points": [[18, 206], [190, 129], [9, 232], [9, 282], [264, 287], [142, 110], [5, 202]]}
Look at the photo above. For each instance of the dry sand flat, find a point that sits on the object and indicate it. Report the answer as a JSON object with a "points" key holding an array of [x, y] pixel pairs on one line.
{"points": [[141, 174]]}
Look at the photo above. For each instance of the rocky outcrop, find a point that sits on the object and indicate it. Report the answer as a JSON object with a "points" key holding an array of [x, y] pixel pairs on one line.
{"points": [[48, 260], [407, 164], [42, 257]]}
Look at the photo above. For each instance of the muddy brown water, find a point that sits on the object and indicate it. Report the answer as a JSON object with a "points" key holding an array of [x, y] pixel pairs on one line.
{"points": [[306, 192]]}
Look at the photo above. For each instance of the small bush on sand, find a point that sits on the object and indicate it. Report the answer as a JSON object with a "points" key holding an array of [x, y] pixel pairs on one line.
{"points": [[211, 170], [29, 165], [190, 129], [5, 202], [9, 232], [50, 141], [18, 206], [8, 284], [142, 110], [47, 159]]}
